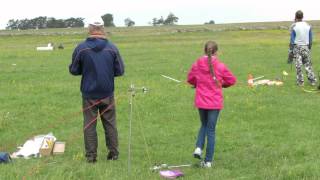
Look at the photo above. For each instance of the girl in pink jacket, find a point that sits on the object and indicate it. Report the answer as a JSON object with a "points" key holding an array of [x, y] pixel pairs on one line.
{"points": [[208, 75]]}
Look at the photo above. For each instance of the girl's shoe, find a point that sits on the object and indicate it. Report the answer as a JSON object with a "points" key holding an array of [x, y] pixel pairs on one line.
{"points": [[204, 164], [197, 153]]}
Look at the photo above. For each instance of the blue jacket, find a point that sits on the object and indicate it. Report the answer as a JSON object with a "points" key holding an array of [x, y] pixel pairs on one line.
{"points": [[98, 61]]}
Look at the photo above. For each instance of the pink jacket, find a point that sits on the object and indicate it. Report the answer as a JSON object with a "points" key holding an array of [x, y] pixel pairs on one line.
{"points": [[208, 93]]}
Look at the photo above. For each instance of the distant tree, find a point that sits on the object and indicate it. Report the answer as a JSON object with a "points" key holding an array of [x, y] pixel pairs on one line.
{"points": [[79, 22], [32, 24], [210, 22], [108, 20], [51, 22], [12, 24], [24, 24], [39, 22], [171, 19], [156, 21], [55, 23], [74, 22], [128, 22], [160, 21]]}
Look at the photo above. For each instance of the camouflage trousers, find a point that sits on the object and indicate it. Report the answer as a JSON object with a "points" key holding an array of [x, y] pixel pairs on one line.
{"points": [[302, 57]]}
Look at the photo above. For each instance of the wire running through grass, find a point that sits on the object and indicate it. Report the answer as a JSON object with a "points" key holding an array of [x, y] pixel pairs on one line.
{"points": [[57, 122], [71, 139], [142, 133]]}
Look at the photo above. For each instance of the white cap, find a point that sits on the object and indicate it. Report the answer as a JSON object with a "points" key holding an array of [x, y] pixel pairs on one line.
{"points": [[96, 22]]}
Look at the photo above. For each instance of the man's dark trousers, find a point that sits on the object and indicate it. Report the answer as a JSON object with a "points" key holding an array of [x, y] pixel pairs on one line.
{"points": [[107, 111]]}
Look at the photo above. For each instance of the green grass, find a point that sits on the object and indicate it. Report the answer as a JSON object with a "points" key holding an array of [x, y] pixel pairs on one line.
{"points": [[263, 133]]}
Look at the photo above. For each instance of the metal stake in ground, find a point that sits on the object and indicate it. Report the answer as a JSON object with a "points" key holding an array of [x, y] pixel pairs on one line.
{"points": [[133, 91], [166, 166]]}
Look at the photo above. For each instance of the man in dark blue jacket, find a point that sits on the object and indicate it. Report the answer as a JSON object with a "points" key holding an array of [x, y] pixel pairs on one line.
{"points": [[98, 61]]}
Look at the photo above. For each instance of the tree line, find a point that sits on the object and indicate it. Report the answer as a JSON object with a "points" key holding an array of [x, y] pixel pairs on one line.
{"points": [[43, 22], [170, 20]]}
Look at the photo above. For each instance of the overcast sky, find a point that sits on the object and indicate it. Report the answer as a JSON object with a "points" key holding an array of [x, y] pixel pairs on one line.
{"points": [[142, 11]]}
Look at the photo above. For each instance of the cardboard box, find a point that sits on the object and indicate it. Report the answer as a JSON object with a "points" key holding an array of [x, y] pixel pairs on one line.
{"points": [[59, 148], [46, 146]]}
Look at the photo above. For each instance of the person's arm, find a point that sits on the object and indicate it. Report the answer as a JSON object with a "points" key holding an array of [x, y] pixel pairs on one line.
{"points": [[292, 38], [192, 79], [310, 38], [75, 66], [228, 78], [118, 64]]}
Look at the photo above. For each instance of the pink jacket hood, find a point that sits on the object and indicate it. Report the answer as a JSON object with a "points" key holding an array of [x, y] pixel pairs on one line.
{"points": [[208, 93]]}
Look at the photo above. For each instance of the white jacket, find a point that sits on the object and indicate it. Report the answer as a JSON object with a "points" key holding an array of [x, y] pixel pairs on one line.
{"points": [[301, 34]]}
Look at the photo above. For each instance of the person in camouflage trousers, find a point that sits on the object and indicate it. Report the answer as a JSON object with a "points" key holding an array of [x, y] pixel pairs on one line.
{"points": [[302, 57], [300, 44]]}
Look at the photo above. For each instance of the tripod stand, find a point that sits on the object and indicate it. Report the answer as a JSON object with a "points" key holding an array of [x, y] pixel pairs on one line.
{"points": [[133, 90]]}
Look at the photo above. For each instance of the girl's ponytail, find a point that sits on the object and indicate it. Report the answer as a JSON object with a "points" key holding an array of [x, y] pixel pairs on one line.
{"points": [[211, 48]]}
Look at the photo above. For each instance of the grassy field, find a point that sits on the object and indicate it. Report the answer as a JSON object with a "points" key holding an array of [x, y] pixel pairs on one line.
{"points": [[263, 133]]}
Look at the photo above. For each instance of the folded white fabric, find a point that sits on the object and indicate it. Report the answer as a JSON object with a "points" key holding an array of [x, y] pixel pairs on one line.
{"points": [[31, 147]]}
